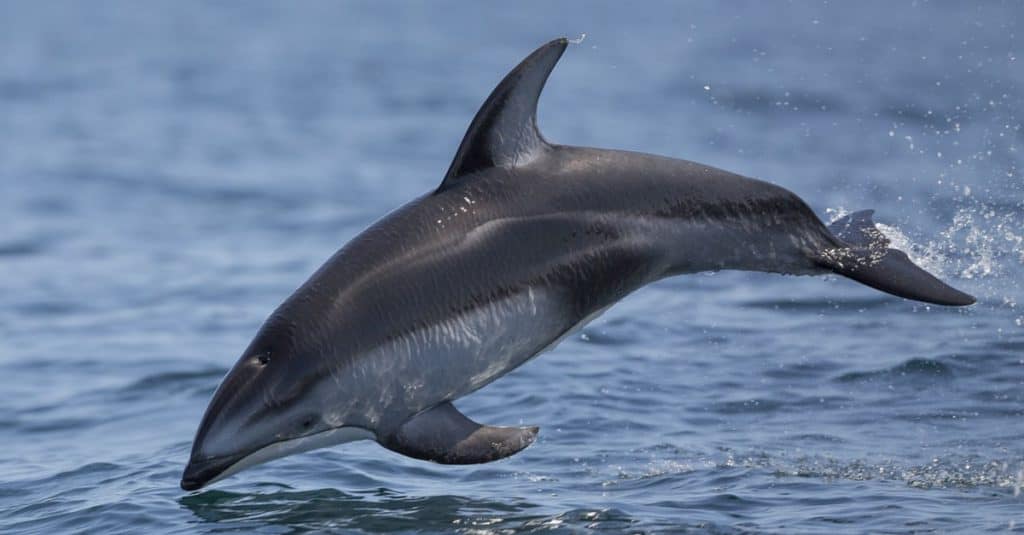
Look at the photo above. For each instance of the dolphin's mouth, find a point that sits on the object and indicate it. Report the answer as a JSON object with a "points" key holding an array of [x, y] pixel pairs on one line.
{"points": [[201, 472]]}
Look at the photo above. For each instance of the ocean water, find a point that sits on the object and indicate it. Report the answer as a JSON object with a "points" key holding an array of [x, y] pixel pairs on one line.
{"points": [[170, 172]]}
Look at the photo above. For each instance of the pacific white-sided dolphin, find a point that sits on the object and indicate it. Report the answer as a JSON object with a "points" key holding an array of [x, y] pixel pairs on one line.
{"points": [[523, 242]]}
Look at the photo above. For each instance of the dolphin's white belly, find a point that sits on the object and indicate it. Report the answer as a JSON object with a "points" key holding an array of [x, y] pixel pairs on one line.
{"points": [[448, 359]]}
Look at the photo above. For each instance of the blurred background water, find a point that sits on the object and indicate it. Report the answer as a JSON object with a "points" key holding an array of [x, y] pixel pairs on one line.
{"points": [[170, 172]]}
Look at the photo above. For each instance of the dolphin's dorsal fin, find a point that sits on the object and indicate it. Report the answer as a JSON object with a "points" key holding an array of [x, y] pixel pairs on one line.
{"points": [[504, 132]]}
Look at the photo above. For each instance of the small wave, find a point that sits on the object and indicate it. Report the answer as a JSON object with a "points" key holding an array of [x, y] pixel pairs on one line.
{"points": [[921, 368], [47, 308], [371, 511], [1011, 345], [612, 520], [747, 406], [21, 248], [815, 305], [199, 383], [87, 472], [176, 187], [817, 437], [171, 380], [936, 116]]}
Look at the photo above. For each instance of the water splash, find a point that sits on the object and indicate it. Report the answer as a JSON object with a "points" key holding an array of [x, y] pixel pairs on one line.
{"points": [[931, 257], [981, 242], [980, 238]]}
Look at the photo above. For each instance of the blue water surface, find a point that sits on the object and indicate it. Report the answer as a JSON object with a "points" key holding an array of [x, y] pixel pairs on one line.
{"points": [[170, 172]]}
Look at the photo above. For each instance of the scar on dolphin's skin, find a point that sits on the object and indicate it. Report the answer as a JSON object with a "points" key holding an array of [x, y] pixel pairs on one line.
{"points": [[522, 243]]}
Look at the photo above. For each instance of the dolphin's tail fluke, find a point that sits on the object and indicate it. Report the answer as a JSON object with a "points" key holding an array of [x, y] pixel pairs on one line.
{"points": [[869, 260]]}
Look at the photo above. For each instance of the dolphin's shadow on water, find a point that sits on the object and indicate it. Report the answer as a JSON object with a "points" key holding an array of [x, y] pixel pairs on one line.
{"points": [[382, 510]]}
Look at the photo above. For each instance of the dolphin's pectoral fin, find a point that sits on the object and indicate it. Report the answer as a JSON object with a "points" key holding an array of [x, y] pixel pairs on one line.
{"points": [[445, 435]]}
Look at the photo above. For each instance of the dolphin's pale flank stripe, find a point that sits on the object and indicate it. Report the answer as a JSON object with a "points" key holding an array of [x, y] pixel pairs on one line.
{"points": [[523, 242]]}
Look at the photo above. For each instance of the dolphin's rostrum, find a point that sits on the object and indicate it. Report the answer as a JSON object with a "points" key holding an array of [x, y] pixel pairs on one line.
{"points": [[523, 242]]}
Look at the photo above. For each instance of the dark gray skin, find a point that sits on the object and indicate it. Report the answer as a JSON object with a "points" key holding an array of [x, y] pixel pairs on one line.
{"points": [[523, 242]]}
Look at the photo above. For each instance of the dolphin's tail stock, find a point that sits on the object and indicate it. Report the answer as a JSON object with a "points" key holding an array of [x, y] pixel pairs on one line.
{"points": [[869, 260]]}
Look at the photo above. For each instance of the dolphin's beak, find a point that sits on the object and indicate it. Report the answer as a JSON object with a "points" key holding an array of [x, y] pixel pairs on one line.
{"points": [[200, 472]]}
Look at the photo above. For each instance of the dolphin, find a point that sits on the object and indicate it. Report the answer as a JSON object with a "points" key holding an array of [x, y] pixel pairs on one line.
{"points": [[522, 243]]}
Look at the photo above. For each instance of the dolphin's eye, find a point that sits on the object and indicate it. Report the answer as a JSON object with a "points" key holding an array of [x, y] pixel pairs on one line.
{"points": [[263, 359], [307, 423]]}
